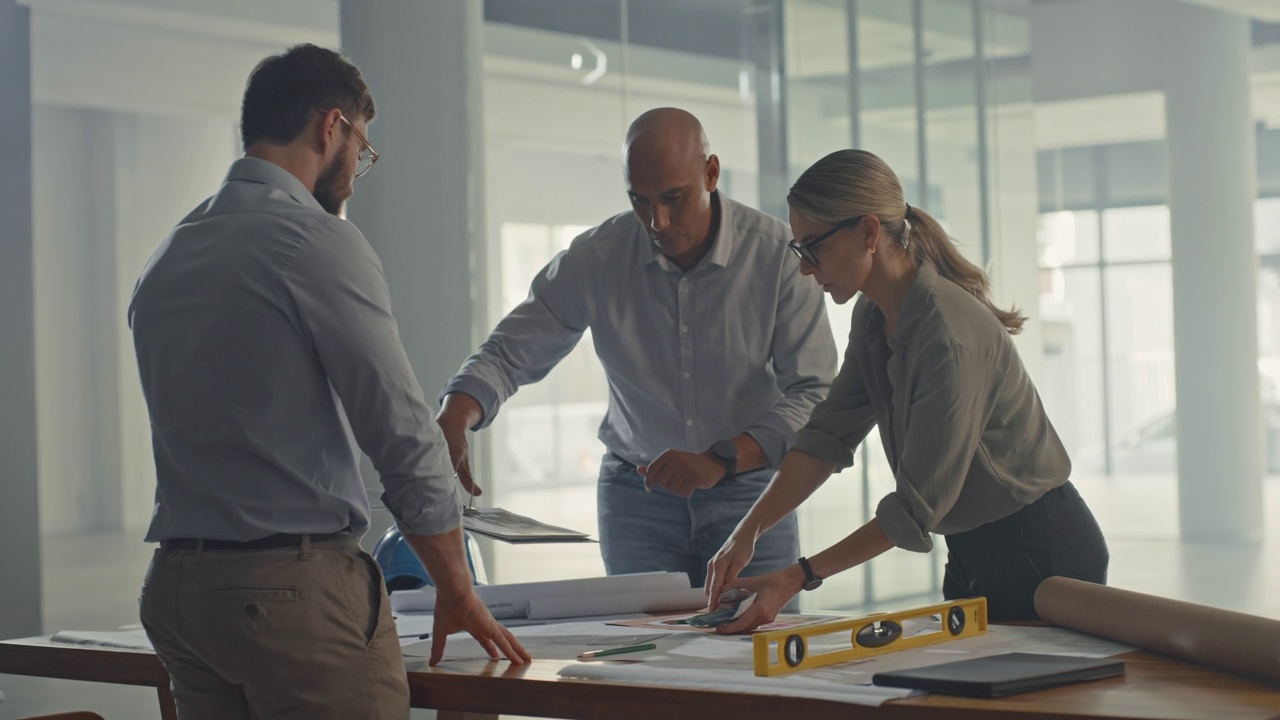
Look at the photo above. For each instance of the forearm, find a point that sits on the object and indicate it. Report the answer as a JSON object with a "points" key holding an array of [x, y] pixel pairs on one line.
{"points": [[861, 545], [445, 558], [462, 408], [798, 476], [750, 455]]}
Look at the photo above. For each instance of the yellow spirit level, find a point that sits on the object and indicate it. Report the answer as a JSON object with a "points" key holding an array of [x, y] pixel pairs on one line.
{"points": [[872, 635]]}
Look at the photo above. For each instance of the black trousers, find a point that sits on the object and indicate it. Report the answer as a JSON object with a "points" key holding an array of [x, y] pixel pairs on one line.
{"points": [[1005, 560]]}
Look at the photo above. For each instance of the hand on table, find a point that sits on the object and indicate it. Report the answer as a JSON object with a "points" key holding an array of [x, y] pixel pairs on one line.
{"points": [[469, 613]]}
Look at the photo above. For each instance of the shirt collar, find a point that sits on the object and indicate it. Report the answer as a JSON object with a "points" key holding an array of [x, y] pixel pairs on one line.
{"points": [[721, 245], [917, 300], [257, 170], [912, 307]]}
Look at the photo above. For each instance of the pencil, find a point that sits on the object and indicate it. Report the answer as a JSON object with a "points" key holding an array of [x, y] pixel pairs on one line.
{"points": [[616, 651]]}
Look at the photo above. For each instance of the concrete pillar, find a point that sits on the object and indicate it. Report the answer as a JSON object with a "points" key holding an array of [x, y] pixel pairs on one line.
{"points": [[422, 206], [1212, 187], [19, 524]]}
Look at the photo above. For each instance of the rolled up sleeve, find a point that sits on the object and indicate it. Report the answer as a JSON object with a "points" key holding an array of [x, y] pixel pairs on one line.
{"points": [[948, 414], [528, 342], [344, 306], [804, 361], [841, 422]]}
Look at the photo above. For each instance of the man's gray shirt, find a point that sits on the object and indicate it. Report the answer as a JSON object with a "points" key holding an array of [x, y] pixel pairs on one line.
{"points": [[739, 342], [264, 338]]}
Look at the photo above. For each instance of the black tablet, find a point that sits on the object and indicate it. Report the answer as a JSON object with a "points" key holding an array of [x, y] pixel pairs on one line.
{"points": [[999, 675]]}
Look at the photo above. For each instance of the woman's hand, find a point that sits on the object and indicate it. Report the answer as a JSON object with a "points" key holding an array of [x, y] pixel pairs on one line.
{"points": [[773, 592], [722, 571]]}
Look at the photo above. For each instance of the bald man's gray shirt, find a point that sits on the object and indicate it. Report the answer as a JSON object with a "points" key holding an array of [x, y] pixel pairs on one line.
{"points": [[265, 340], [739, 342]]}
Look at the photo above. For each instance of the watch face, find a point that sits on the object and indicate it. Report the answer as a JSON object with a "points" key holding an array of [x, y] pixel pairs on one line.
{"points": [[813, 584], [725, 449]]}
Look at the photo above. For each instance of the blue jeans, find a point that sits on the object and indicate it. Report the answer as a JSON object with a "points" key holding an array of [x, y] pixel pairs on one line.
{"points": [[646, 531]]}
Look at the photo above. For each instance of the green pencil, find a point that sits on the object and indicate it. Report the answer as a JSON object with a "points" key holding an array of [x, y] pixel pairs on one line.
{"points": [[616, 651]]}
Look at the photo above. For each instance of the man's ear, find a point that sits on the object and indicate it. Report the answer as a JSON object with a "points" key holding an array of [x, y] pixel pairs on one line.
{"points": [[713, 173], [327, 129]]}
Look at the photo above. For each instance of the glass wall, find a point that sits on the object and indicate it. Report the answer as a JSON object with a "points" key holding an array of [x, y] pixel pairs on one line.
{"points": [[560, 90], [927, 85], [1107, 300]]}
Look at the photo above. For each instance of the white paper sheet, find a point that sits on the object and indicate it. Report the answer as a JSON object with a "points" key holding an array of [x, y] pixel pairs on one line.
{"points": [[733, 681], [132, 639], [723, 663], [559, 641]]}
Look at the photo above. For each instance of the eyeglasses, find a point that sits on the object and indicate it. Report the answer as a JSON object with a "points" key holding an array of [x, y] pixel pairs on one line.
{"points": [[368, 156], [806, 250]]}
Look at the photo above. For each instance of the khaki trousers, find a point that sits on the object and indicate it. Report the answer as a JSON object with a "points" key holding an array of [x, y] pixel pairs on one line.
{"points": [[298, 632]]}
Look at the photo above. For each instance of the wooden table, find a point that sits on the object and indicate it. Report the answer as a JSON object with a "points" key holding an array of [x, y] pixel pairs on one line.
{"points": [[1156, 686]]}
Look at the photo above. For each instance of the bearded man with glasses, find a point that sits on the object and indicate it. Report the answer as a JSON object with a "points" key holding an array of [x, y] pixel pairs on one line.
{"points": [[267, 353]]}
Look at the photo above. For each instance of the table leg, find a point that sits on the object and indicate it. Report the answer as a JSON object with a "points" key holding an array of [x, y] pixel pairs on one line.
{"points": [[168, 709]]}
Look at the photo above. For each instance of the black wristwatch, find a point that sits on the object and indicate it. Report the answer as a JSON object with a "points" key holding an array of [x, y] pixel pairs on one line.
{"points": [[811, 581], [727, 453]]}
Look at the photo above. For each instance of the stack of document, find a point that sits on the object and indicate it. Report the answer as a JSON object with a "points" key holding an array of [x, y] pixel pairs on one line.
{"points": [[509, 527], [584, 597]]}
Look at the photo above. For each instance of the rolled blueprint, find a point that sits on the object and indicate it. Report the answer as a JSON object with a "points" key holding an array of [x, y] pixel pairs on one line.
{"points": [[649, 601], [1234, 641]]}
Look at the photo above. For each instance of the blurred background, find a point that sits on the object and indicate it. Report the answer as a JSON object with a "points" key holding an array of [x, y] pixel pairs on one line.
{"points": [[1115, 165]]}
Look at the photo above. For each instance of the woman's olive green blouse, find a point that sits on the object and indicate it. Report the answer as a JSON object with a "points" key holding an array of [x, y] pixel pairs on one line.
{"points": [[961, 423]]}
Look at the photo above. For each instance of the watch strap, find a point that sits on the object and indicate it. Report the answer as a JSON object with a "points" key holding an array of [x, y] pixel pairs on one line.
{"points": [[811, 580], [728, 459]]}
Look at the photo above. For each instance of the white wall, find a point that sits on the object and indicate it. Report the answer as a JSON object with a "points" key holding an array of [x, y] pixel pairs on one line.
{"points": [[135, 111], [107, 189], [74, 239]]}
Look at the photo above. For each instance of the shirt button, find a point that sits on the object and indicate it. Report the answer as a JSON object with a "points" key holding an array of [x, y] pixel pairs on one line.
{"points": [[689, 422], [684, 328], [686, 376]]}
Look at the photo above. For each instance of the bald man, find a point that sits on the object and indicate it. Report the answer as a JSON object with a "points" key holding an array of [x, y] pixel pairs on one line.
{"points": [[714, 348]]}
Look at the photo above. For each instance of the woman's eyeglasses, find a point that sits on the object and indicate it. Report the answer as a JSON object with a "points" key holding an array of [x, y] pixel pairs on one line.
{"points": [[806, 250]]}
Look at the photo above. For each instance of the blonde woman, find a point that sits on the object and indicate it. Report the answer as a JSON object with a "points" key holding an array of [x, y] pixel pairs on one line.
{"points": [[931, 363]]}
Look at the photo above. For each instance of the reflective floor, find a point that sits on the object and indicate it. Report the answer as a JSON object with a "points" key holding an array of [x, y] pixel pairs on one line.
{"points": [[91, 582]]}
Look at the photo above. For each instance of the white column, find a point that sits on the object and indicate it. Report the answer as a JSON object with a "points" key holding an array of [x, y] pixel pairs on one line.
{"points": [[1212, 187], [422, 206], [19, 524]]}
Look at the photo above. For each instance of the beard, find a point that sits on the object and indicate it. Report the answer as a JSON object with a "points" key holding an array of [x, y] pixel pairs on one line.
{"points": [[333, 187]]}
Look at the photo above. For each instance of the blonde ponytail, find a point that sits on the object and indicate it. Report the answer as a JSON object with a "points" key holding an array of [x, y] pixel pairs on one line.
{"points": [[848, 183]]}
